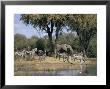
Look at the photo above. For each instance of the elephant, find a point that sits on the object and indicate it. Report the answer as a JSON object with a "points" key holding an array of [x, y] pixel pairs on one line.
{"points": [[63, 48]]}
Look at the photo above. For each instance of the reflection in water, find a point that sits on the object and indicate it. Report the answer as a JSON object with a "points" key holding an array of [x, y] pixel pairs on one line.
{"points": [[58, 73], [68, 73], [83, 67], [84, 71]]}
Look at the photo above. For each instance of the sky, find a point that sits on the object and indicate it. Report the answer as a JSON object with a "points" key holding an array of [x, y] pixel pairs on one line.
{"points": [[28, 31]]}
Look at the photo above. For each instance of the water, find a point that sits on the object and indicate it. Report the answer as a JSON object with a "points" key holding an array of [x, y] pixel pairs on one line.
{"points": [[58, 73], [89, 71]]}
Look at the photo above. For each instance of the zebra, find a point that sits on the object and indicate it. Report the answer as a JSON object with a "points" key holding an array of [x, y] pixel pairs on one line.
{"points": [[79, 56], [62, 55], [20, 55], [41, 54]]}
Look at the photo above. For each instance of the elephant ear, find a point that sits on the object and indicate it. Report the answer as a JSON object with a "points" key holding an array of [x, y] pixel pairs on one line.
{"points": [[58, 47], [70, 48], [64, 47]]}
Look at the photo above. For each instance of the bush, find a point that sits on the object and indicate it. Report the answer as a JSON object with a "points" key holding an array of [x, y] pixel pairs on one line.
{"points": [[92, 49], [40, 44]]}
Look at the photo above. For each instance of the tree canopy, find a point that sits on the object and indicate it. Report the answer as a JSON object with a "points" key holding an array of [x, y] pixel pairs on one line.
{"points": [[45, 22], [85, 25]]}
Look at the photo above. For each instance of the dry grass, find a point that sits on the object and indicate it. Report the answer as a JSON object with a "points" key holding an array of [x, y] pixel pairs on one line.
{"points": [[50, 64]]}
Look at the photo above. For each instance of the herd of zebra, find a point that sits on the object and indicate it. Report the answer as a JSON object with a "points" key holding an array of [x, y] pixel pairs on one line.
{"points": [[42, 54], [30, 54]]}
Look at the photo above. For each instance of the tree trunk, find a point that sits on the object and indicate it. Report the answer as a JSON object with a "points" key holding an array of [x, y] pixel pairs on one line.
{"points": [[50, 37], [51, 47], [57, 33]]}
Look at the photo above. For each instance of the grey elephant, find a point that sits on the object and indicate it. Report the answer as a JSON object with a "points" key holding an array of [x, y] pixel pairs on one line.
{"points": [[63, 49]]}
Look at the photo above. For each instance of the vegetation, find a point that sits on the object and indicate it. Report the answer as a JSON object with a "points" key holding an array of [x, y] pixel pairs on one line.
{"points": [[80, 32], [45, 22], [92, 49], [76, 30], [86, 27], [21, 42], [40, 44]]}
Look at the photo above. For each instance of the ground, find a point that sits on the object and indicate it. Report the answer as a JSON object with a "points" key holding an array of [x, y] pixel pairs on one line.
{"points": [[25, 68]]}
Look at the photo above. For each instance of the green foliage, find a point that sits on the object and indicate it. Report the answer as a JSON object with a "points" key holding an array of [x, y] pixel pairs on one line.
{"points": [[32, 42], [86, 27], [92, 49], [42, 21], [75, 44], [84, 24], [20, 41], [71, 39], [49, 48], [40, 44]]}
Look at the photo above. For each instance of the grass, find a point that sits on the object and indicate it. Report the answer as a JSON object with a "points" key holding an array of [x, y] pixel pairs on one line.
{"points": [[23, 67]]}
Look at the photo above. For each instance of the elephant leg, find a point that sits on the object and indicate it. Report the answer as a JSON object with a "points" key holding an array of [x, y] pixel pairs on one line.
{"points": [[56, 56]]}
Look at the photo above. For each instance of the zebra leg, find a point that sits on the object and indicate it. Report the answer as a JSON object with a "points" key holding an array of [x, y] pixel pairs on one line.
{"points": [[74, 59], [68, 57], [39, 59], [64, 59], [84, 60], [59, 57], [80, 60], [44, 57]]}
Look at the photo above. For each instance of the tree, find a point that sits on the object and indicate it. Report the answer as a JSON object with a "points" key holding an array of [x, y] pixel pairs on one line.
{"points": [[92, 48], [71, 39], [84, 24], [40, 44], [20, 41], [32, 41], [45, 22], [86, 27]]}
